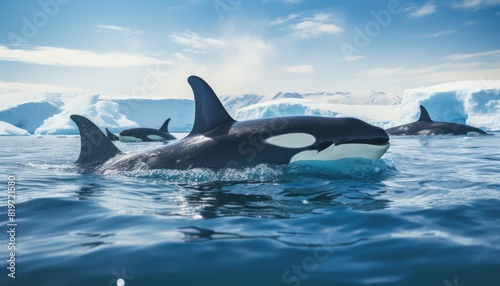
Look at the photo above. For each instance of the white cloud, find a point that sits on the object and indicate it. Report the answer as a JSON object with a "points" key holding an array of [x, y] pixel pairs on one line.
{"points": [[461, 75], [306, 27], [131, 36], [391, 71], [240, 65], [427, 9], [298, 69], [244, 62], [281, 20], [196, 43], [353, 58], [315, 26], [438, 34], [473, 55], [434, 73], [475, 4], [75, 58], [119, 29], [17, 87], [179, 56]]}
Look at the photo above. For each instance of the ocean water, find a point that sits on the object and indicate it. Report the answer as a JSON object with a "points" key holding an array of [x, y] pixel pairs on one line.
{"points": [[427, 213]]}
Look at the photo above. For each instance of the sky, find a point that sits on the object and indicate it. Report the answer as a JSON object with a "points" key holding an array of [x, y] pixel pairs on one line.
{"points": [[147, 49]]}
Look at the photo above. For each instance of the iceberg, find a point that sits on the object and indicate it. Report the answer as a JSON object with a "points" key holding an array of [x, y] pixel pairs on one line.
{"points": [[370, 97], [7, 129], [235, 102], [48, 113], [28, 111], [475, 103], [104, 113], [379, 115]]}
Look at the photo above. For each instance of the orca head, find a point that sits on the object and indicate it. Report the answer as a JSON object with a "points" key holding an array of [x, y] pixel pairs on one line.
{"points": [[144, 134], [326, 139], [133, 135]]}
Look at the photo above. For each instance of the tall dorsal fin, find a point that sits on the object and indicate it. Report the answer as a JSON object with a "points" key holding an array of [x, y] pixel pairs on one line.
{"points": [[424, 115], [209, 111], [164, 127], [95, 147], [112, 136]]}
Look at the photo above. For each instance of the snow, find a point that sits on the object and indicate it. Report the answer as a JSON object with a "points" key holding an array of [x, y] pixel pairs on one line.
{"points": [[369, 97], [233, 103], [28, 111], [101, 112], [380, 115], [475, 103], [49, 113], [288, 95], [9, 129]]}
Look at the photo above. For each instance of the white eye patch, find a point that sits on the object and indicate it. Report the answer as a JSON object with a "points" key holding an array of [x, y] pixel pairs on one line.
{"points": [[292, 140], [155, 137]]}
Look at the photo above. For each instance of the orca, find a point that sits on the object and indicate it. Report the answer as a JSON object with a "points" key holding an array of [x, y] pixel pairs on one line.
{"points": [[218, 141], [143, 134], [426, 126]]}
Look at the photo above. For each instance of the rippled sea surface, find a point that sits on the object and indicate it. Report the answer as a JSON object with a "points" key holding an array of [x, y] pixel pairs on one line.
{"points": [[427, 213]]}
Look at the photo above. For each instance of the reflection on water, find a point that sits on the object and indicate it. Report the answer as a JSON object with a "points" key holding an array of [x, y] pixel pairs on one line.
{"points": [[197, 234], [282, 200], [87, 191], [265, 200], [94, 239]]}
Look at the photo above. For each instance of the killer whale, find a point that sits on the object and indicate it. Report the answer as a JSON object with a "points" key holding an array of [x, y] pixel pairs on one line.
{"points": [[143, 134], [218, 141], [426, 126]]}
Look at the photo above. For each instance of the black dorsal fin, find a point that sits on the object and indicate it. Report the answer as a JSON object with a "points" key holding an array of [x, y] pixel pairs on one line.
{"points": [[95, 147], [424, 115], [111, 136], [209, 111], [164, 127]]}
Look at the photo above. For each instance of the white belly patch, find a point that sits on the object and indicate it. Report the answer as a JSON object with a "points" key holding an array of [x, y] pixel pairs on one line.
{"points": [[354, 150]]}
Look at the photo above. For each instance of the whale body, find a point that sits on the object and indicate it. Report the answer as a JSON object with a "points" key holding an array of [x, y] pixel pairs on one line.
{"points": [[143, 134], [426, 126], [218, 141]]}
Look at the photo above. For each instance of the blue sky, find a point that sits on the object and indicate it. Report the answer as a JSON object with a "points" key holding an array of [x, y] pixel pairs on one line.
{"points": [[149, 48]]}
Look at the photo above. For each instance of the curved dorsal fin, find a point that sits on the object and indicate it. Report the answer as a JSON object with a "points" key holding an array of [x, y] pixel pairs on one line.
{"points": [[164, 127], [95, 147], [209, 111], [112, 136], [424, 115]]}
